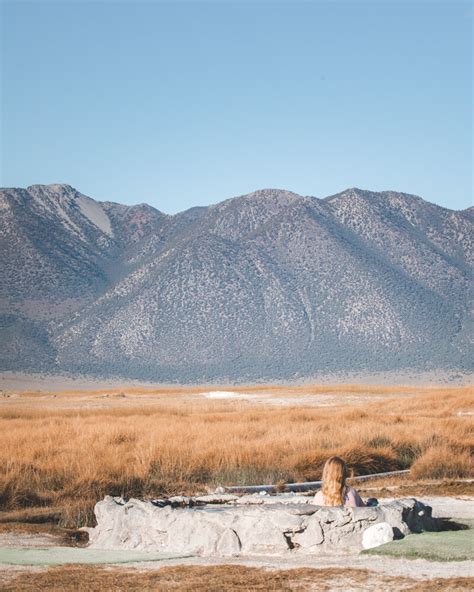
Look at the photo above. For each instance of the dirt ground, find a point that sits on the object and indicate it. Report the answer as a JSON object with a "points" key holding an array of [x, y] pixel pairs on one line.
{"points": [[141, 396], [42, 382], [328, 573], [341, 574], [225, 577]]}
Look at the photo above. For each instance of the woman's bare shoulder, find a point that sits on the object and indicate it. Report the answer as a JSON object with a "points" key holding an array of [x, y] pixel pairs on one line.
{"points": [[353, 497], [318, 499]]}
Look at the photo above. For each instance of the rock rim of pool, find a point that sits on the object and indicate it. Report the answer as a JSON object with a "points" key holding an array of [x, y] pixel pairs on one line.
{"points": [[249, 525]]}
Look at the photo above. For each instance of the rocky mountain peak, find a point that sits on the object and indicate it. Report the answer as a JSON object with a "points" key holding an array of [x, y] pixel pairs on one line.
{"points": [[53, 190], [264, 286]]}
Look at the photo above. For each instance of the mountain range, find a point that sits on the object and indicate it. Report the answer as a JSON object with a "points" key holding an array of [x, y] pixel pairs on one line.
{"points": [[266, 286]]}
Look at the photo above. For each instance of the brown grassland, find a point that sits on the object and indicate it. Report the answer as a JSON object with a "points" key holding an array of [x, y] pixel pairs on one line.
{"points": [[218, 578], [61, 453]]}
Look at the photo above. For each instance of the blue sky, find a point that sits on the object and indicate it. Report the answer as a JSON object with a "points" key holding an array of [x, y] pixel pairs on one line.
{"points": [[187, 103]]}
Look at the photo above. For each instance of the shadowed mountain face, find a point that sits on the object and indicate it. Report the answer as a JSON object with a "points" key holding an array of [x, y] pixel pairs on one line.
{"points": [[270, 285]]}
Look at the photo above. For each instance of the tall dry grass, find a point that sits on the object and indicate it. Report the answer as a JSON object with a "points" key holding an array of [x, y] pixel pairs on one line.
{"points": [[70, 458]]}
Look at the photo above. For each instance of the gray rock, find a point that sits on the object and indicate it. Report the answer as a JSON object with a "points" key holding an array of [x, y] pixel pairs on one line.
{"points": [[311, 537], [216, 498], [260, 533], [179, 499], [377, 534], [229, 529], [228, 544]]}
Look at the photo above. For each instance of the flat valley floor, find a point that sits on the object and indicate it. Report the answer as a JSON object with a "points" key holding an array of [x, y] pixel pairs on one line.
{"points": [[61, 451]]}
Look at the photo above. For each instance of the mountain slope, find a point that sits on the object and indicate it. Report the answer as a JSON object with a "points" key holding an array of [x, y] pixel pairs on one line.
{"points": [[271, 285]]}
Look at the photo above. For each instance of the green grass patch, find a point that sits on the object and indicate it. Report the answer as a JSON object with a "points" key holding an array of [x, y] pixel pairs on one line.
{"points": [[65, 555], [434, 546]]}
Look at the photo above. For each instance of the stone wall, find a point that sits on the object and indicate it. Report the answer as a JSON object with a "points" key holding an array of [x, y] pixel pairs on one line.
{"points": [[275, 526]]}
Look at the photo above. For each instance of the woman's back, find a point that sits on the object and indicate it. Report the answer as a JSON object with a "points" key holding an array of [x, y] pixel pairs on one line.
{"points": [[351, 498]]}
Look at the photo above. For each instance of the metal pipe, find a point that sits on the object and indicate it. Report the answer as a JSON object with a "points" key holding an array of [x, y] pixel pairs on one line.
{"points": [[306, 486]]}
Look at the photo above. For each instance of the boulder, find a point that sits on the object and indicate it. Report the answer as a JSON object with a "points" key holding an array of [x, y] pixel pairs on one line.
{"points": [[311, 537], [377, 534]]}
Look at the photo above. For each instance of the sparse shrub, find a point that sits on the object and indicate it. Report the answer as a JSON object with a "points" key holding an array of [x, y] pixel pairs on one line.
{"points": [[356, 414], [443, 462], [123, 438], [407, 453], [432, 441], [362, 461], [379, 442], [309, 466]]}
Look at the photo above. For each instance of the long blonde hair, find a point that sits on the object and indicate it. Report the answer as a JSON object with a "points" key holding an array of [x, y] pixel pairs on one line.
{"points": [[334, 481]]}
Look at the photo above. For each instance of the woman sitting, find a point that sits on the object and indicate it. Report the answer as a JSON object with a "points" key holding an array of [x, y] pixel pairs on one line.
{"points": [[334, 491]]}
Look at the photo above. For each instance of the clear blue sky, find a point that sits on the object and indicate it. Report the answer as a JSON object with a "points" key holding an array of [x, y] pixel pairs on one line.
{"points": [[187, 103]]}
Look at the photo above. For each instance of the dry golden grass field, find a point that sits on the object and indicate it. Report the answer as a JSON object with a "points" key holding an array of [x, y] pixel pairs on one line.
{"points": [[225, 577], [61, 452]]}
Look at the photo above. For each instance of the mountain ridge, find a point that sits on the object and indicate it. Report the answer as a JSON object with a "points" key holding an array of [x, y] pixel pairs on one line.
{"points": [[57, 187], [268, 285]]}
